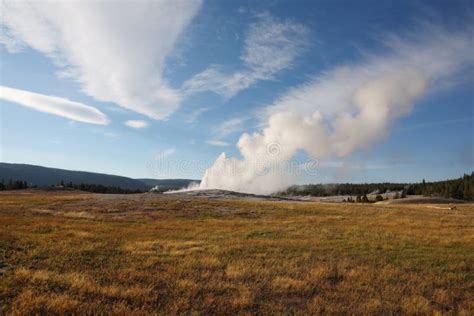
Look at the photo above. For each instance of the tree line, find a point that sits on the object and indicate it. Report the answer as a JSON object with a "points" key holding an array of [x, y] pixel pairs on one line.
{"points": [[13, 185], [98, 188], [461, 188], [95, 188]]}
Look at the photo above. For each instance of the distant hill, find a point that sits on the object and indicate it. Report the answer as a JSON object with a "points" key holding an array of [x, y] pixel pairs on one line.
{"points": [[44, 176]]}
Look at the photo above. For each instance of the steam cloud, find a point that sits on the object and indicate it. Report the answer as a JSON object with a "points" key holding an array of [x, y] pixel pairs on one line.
{"points": [[343, 110]]}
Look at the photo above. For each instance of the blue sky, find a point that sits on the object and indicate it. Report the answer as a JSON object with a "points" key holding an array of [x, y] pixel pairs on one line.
{"points": [[191, 77]]}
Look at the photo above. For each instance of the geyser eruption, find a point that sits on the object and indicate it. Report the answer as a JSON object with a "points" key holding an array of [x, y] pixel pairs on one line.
{"points": [[261, 170], [344, 110]]}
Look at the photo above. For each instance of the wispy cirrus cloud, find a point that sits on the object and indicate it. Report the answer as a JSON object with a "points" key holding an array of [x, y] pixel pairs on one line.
{"points": [[75, 111], [230, 126], [270, 46], [116, 51], [193, 116], [136, 123], [218, 143], [165, 153]]}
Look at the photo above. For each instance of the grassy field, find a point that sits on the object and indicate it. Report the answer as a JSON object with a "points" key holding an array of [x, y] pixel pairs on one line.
{"points": [[139, 254]]}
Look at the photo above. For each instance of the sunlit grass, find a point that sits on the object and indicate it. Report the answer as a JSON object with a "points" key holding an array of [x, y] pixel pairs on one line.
{"points": [[83, 253]]}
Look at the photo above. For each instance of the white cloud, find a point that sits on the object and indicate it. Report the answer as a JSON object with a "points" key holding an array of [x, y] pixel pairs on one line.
{"points": [[166, 153], [193, 116], [218, 143], [116, 51], [230, 126], [437, 53], [345, 109], [111, 135], [54, 105], [136, 124], [270, 46]]}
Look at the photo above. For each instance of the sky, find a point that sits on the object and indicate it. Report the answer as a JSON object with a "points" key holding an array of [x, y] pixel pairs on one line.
{"points": [[360, 91]]}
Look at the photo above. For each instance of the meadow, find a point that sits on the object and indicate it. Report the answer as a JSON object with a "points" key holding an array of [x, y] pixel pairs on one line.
{"points": [[72, 252]]}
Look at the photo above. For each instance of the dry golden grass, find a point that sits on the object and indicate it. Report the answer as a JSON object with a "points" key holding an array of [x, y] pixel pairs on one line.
{"points": [[66, 252]]}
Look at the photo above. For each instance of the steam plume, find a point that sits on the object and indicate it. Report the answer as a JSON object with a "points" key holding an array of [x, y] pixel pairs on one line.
{"points": [[343, 110]]}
